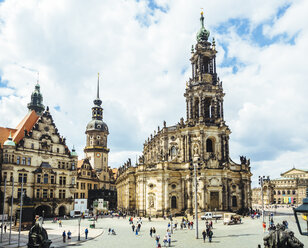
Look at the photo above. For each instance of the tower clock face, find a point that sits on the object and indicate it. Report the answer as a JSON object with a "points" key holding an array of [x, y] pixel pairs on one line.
{"points": [[98, 155]]}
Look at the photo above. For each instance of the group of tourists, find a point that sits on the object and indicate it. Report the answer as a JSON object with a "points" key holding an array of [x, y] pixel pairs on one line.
{"points": [[136, 229], [69, 235], [208, 231]]}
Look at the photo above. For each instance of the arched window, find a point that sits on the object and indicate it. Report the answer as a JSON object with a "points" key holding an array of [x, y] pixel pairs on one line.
{"points": [[234, 201], [173, 152], [209, 145], [173, 202], [196, 108], [274, 192], [278, 192], [283, 192]]}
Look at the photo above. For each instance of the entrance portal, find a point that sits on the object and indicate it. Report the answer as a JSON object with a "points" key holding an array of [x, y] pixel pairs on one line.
{"points": [[214, 200], [43, 211], [62, 211]]}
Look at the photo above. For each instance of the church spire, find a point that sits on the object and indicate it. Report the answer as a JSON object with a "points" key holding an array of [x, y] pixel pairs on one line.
{"points": [[97, 101], [36, 102], [97, 110]]}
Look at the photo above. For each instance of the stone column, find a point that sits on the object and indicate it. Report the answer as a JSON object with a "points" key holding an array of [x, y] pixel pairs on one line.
{"points": [[166, 195], [189, 192]]}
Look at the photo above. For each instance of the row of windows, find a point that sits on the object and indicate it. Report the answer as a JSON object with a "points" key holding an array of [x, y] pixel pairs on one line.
{"points": [[283, 192], [281, 200], [83, 186], [63, 165], [45, 193], [82, 195]]}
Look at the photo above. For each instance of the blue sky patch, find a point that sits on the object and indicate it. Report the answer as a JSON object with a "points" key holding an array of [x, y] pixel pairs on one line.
{"points": [[57, 108]]}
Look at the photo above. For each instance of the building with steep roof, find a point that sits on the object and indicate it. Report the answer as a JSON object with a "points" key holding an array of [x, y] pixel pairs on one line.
{"points": [[162, 182], [35, 154]]}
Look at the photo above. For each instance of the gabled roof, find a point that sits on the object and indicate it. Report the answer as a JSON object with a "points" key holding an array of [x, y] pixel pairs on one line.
{"points": [[79, 163], [294, 170], [26, 124]]}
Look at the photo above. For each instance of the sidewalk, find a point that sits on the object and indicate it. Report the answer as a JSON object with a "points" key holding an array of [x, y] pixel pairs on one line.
{"points": [[54, 234]]}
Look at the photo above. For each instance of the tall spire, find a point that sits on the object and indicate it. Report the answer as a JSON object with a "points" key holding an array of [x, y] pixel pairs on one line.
{"points": [[98, 85], [97, 101], [203, 34]]}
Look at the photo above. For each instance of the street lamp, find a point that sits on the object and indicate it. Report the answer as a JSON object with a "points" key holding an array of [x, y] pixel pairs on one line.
{"points": [[79, 220], [262, 179], [43, 216], [196, 163], [301, 216]]}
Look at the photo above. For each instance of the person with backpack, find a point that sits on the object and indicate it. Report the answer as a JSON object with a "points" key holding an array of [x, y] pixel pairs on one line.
{"points": [[210, 235], [86, 231]]}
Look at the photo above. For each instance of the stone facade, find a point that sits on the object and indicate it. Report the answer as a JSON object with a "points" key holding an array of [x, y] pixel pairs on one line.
{"points": [[36, 154], [290, 188], [162, 182]]}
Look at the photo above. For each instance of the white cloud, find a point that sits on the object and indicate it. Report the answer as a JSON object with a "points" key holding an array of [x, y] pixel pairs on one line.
{"points": [[140, 54]]}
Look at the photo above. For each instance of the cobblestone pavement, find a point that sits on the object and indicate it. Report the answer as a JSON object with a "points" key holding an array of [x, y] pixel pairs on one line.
{"points": [[55, 234], [246, 235]]}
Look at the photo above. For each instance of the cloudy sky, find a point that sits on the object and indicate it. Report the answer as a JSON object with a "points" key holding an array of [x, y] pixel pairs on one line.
{"points": [[142, 50]]}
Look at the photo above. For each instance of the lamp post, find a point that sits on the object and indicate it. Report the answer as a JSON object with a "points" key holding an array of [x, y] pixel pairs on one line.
{"points": [[196, 163], [301, 216], [43, 216], [79, 220], [262, 179]]}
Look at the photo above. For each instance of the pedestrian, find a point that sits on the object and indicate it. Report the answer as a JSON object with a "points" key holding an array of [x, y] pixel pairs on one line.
{"points": [[64, 236], [211, 224], [169, 240], [139, 226], [69, 234], [136, 231], [264, 226], [210, 235], [5, 228], [154, 230], [109, 230], [157, 239], [86, 231], [159, 245], [165, 241], [60, 223], [204, 235], [133, 227], [151, 231]]}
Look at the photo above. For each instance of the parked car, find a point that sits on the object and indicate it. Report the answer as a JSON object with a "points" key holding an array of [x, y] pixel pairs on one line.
{"points": [[210, 215]]}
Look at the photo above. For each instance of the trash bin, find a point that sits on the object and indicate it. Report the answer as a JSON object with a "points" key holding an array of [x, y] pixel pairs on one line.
{"points": [[92, 225]]}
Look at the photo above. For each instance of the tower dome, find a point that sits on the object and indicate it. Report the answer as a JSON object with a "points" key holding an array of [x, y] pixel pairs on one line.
{"points": [[203, 34], [9, 141]]}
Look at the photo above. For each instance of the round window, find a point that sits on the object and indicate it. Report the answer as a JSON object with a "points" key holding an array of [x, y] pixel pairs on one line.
{"points": [[173, 186]]}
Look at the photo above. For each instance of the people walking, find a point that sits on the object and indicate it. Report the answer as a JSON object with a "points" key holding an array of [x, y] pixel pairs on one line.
{"points": [[64, 236], [210, 235], [69, 234], [136, 231], [133, 227], [5, 228], [264, 226], [86, 231], [157, 239], [151, 232], [204, 235]]}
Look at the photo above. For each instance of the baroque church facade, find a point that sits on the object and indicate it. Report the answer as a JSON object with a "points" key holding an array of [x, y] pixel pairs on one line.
{"points": [[163, 180], [36, 162]]}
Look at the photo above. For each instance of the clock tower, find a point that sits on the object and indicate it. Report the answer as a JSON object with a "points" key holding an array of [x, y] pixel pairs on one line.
{"points": [[96, 146]]}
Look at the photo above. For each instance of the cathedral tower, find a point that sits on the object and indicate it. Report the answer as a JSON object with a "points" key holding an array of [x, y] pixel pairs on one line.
{"points": [[96, 146], [204, 93], [36, 103]]}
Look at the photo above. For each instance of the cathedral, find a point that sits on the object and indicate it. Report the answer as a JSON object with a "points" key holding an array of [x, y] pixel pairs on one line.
{"points": [[162, 182]]}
